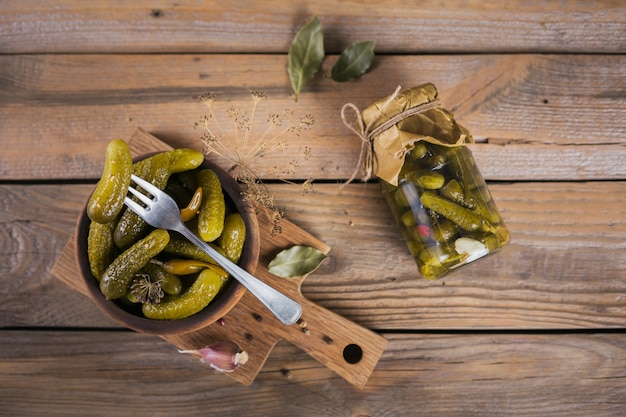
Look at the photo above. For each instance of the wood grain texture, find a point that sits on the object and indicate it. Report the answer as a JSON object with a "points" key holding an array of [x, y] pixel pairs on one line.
{"points": [[540, 84], [34, 226], [61, 373], [564, 268], [249, 26], [542, 117]]}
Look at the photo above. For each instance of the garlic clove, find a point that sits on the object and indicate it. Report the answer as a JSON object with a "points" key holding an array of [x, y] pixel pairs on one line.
{"points": [[224, 356], [471, 247]]}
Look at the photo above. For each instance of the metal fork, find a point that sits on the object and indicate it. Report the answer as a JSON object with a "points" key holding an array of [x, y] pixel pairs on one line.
{"points": [[161, 211]]}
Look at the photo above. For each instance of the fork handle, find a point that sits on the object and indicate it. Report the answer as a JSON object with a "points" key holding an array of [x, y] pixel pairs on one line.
{"points": [[284, 308]]}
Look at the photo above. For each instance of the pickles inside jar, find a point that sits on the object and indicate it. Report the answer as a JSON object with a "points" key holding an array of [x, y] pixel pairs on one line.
{"points": [[444, 209], [135, 253]]}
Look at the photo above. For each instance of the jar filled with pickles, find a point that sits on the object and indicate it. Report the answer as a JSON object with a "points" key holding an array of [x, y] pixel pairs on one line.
{"points": [[431, 182]]}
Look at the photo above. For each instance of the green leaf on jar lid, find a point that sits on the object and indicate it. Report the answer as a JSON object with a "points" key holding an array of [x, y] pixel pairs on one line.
{"points": [[306, 54], [354, 61], [296, 261]]}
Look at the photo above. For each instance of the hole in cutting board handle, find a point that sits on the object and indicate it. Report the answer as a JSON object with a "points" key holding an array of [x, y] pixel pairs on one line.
{"points": [[352, 353]]}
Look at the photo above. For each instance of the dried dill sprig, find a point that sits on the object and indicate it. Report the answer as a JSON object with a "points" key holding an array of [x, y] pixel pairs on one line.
{"points": [[243, 148], [255, 191]]}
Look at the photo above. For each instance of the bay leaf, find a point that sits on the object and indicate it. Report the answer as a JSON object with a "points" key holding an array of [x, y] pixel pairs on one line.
{"points": [[354, 61], [306, 54], [296, 261]]}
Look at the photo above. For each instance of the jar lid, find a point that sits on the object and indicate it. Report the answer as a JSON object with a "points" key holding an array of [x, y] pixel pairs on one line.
{"points": [[394, 124]]}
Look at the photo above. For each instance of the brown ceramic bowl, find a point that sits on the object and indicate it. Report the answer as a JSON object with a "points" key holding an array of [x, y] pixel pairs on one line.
{"points": [[223, 302]]}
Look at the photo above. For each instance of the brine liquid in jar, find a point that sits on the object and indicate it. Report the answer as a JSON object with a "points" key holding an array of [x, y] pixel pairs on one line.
{"points": [[444, 209]]}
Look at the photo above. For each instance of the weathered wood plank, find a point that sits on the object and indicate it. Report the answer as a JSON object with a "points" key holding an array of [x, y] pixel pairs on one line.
{"points": [[34, 226], [564, 268], [29, 26], [60, 373], [544, 117]]}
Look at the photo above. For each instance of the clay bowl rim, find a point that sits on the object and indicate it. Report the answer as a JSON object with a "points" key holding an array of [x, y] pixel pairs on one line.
{"points": [[219, 307]]}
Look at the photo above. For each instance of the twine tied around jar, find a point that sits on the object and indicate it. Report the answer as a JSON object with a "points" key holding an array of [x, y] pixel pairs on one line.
{"points": [[367, 134], [390, 127]]}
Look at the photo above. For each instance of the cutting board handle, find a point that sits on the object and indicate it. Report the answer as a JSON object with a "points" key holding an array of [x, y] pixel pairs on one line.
{"points": [[348, 349]]}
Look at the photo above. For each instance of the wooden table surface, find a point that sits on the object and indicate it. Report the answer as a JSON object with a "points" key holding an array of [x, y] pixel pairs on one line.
{"points": [[536, 330]]}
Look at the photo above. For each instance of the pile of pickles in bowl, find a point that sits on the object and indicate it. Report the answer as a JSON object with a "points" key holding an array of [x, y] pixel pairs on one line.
{"points": [[444, 209], [153, 280]]}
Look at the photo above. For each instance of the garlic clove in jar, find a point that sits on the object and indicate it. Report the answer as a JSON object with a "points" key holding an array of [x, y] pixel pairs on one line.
{"points": [[470, 247]]}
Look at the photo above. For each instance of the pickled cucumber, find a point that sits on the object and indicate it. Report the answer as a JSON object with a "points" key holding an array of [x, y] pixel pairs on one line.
{"points": [[213, 208], [418, 152], [457, 214], [444, 231], [115, 280], [470, 199], [184, 159], [197, 297], [430, 180], [182, 247], [100, 247], [233, 237], [107, 200], [454, 191]]}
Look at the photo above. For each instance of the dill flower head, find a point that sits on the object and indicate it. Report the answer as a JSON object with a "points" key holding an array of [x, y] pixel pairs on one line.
{"points": [[144, 289]]}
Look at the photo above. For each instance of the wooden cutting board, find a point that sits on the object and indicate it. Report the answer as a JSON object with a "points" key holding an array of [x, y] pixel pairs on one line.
{"points": [[348, 349]]}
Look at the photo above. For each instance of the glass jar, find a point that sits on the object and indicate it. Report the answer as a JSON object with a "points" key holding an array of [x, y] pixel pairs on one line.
{"points": [[430, 180], [444, 209]]}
